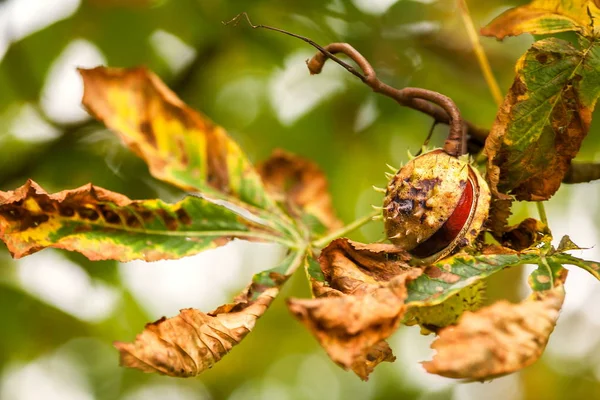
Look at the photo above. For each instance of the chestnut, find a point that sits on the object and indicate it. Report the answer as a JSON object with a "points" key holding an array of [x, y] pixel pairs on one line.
{"points": [[435, 204]]}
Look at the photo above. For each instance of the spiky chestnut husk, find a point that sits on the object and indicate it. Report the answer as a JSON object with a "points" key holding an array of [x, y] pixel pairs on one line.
{"points": [[435, 204]]}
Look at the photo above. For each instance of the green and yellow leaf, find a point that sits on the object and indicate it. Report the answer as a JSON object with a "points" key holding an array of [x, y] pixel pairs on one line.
{"points": [[593, 267], [102, 224], [544, 118], [180, 145], [193, 341], [542, 17], [447, 277]]}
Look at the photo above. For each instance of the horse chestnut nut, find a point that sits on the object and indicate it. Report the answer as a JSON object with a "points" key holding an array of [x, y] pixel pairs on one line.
{"points": [[435, 204]]}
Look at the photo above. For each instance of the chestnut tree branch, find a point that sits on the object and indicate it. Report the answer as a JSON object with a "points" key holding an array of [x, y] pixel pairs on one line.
{"points": [[441, 108], [580, 172]]}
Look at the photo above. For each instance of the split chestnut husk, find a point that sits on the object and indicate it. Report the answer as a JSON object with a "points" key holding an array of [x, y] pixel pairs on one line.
{"points": [[435, 204]]}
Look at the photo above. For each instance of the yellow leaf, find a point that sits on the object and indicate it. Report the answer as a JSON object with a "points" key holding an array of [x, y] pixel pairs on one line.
{"points": [[546, 16]]}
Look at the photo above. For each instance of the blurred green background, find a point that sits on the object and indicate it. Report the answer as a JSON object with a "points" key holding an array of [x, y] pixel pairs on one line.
{"points": [[60, 313]]}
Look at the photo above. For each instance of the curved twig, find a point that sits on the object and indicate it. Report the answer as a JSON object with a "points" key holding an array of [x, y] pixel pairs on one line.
{"points": [[438, 106]]}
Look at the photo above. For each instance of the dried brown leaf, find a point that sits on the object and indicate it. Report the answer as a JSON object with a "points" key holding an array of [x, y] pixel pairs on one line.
{"points": [[356, 268], [360, 303], [301, 187], [191, 342], [498, 339], [186, 345], [527, 233]]}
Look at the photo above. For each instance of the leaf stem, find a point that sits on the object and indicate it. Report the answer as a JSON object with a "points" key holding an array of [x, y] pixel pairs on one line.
{"points": [[542, 212], [484, 63], [324, 241]]}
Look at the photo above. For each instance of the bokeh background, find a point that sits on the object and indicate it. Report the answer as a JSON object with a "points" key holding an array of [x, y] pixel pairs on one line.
{"points": [[59, 313]]}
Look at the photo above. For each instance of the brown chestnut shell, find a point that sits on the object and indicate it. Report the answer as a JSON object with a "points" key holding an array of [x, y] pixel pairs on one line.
{"points": [[434, 204]]}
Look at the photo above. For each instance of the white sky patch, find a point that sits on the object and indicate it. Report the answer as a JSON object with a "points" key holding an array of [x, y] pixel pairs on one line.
{"points": [[59, 282], [4, 20], [505, 388], [63, 88], [203, 281], [20, 18], [55, 377], [293, 92], [170, 391], [410, 348], [174, 51], [366, 115], [374, 7], [29, 126]]}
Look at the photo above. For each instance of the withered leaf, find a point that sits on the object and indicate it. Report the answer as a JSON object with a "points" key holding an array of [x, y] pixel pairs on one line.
{"points": [[352, 327], [544, 118], [498, 339], [102, 224], [361, 302], [188, 344], [300, 187], [541, 17], [527, 233], [180, 145]]}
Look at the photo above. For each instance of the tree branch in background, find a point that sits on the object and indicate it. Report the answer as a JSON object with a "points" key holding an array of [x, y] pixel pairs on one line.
{"points": [[580, 172]]}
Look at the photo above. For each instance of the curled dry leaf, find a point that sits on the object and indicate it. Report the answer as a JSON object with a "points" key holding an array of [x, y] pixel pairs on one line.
{"points": [[544, 118], [498, 339], [526, 234], [102, 224], [180, 145], [541, 17], [188, 344], [301, 187], [361, 303]]}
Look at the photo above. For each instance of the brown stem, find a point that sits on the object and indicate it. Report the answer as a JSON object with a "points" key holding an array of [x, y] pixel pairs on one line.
{"points": [[438, 106], [580, 172]]}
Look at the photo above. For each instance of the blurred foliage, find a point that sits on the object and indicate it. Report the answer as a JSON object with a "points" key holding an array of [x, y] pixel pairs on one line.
{"points": [[233, 78]]}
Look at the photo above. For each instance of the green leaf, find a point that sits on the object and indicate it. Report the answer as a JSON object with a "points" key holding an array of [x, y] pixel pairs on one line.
{"points": [[544, 118], [546, 275], [593, 267], [541, 17], [450, 275], [192, 342], [105, 225], [181, 146]]}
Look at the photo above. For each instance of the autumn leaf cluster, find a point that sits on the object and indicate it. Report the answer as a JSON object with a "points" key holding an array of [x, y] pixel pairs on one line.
{"points": [[362, 293]]}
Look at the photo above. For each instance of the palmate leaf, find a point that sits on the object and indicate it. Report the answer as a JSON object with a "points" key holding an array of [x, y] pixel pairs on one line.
{"points": [[542, 17], [105, 225], [191, 342], [544, 118]]}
